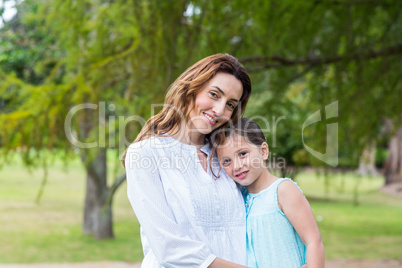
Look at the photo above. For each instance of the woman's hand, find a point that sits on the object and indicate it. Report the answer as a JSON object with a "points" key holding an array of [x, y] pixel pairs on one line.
{"points": [[220, 263]]}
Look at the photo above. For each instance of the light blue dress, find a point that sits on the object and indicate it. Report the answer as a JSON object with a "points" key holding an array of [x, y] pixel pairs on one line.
{"points": [[272, 241]]}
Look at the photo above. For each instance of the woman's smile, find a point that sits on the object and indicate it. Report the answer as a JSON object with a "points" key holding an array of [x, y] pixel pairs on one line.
{"points": [[210, 119]]}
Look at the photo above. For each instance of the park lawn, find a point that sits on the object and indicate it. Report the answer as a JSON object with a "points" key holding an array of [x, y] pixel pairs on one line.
{"points": [[51, 231], [372, 229]]}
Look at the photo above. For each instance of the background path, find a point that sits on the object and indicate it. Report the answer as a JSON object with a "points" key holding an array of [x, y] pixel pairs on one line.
{"points": [[328, 264]]}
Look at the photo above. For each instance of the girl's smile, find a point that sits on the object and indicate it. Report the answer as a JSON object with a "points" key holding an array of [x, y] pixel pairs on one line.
{"points": [[242, 175]]}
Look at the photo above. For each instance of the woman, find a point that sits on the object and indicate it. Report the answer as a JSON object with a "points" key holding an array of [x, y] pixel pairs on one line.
{"points": [[189, 217]]}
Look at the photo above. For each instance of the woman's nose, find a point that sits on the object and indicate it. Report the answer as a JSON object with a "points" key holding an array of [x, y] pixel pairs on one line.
{"points": [[219, 108]]}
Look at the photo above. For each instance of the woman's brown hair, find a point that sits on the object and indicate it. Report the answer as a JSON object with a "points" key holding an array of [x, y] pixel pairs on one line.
{"points": [[181, 94]]}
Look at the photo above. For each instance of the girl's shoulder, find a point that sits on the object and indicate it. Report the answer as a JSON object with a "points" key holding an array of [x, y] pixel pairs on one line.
{"points": [[287, 184], [288, 190], [287, 187]]}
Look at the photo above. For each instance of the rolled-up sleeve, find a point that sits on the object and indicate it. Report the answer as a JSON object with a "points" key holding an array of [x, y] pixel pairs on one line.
{"points": [[168, 241]]}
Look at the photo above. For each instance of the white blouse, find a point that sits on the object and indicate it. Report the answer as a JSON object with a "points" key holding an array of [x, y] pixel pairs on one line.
{"points": [[188, 217]]}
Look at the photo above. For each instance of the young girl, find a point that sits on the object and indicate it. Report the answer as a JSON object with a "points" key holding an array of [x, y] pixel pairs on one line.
{"points": [[281, 229]]}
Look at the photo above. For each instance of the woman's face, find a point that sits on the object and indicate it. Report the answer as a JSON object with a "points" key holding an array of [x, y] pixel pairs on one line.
{"points": [[215, 103]]}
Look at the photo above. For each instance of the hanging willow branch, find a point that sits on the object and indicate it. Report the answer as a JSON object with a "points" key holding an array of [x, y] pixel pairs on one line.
{"points": [[43, 183], [264, 62]]}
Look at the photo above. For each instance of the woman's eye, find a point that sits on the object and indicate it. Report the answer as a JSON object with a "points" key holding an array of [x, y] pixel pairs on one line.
{"points": [[243, 154], [231, 105], [213, 94]]}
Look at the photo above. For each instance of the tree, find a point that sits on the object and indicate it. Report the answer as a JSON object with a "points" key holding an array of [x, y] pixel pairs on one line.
{"points": [[393, 163], [113, 59], [347, 51], [119, 56]]}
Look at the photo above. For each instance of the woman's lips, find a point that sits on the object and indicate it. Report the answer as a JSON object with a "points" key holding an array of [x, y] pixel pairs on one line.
{"points": [[210, 119]]}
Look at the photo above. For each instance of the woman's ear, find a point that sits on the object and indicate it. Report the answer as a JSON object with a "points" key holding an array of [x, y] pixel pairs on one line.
{"points": [[264, 150]]}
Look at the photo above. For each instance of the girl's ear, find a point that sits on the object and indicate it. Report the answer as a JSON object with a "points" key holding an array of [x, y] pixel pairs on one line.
{"points": [[264, 150]]}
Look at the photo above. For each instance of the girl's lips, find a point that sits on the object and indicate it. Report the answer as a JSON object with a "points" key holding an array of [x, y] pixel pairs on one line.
{"points": [[210, 119], [242, 175]]}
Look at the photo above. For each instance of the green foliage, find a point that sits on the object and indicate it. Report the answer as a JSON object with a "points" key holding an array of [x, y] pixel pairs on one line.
{"points": [[302, 56], [122, 55], [26, 47], [340, 51], [380, 157]]}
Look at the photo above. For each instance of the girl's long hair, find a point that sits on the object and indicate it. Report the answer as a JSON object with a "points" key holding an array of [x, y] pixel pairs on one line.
{"points": [[180, 97]]}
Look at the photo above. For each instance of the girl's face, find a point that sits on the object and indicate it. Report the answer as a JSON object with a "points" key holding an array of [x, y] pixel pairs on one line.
{"points": [[243, 161], [215, 103]]}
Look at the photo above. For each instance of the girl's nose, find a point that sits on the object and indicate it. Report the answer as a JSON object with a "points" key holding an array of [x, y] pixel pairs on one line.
{"points": [[237, 165]]}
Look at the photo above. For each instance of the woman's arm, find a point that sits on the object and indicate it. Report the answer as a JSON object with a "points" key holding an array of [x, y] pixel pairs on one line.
{"points": [[169, 242], [219, 263], [299, 213]]}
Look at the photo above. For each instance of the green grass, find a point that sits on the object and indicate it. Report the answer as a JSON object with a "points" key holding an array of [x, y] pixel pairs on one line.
{"points": [[372, 229], [51, 231]]}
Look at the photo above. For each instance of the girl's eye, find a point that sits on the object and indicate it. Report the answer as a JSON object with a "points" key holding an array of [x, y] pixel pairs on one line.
{"points": [[243, 154], [226, 162]]}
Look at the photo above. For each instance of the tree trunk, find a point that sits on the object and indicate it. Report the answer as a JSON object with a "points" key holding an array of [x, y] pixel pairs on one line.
{"points": [[97, 211], [393, 164], [367, 161]]}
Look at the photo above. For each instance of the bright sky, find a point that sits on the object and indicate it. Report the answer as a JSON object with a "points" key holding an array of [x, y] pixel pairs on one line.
{"points": [[9, 10]]}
